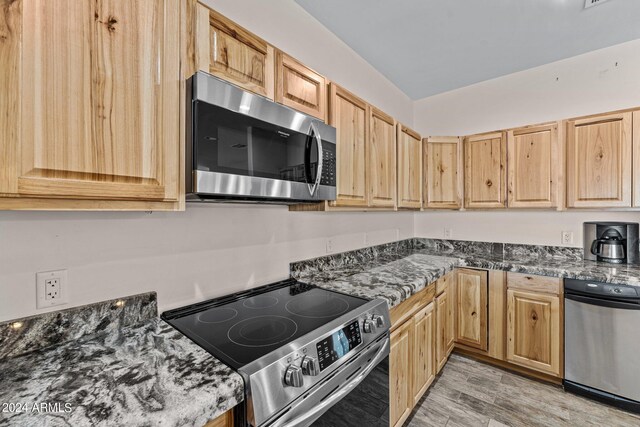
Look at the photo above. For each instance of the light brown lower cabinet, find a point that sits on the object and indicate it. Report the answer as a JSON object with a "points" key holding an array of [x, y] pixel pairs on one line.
{"points": [[445, 319], [222, 420], [471, 295], [400, 393], [412, 354], [534, 330], [423, 351]]}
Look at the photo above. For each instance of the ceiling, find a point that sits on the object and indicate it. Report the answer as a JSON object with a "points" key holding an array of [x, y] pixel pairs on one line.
{"points": [[426, 47]]}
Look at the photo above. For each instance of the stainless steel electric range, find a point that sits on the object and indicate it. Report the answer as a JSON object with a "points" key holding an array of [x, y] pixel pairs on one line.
{"points": [[308, 356]]}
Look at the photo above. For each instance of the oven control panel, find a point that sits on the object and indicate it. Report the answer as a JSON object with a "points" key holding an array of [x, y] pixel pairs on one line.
{"points": [[338, 344]]}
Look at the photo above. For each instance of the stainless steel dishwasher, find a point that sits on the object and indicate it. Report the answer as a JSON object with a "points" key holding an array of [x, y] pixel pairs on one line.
{"points": [[602, 342]]}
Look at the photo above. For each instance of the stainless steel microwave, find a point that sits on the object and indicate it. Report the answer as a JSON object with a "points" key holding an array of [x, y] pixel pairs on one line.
{"points": [[243, 147]]}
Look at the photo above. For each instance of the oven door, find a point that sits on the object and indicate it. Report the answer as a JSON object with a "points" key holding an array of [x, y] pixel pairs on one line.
{"points": [[356, 394]]}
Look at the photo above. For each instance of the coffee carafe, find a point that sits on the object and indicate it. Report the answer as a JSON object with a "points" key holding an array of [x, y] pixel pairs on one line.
{"points": [[614, 242], [609, 247]]}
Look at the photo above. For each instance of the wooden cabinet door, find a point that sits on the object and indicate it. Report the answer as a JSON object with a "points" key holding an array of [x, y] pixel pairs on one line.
{"points": [[381, 155], [423, 351], [443, 173], [484, 171], [400, 361], [300, 87], [350, 116], [99, 85], [450, 332], [226, 50], [223, 420], [409, 168], [442, 328], [533, 330], [636, 158], [535, 164], [599, 161], [471, 325]]}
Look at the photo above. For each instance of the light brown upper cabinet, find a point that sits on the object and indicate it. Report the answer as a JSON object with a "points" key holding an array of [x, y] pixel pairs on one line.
{"points": [[442, 172], [472, 291], [535, 165], [409, 168], [350, 116], [98, 122], [300, 87], [381, 159], [484, 171], [599, 161], [636, 159], [228, 51]]}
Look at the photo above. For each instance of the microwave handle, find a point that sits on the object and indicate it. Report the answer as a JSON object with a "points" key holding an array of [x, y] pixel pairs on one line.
{"points": [[313, 187]]}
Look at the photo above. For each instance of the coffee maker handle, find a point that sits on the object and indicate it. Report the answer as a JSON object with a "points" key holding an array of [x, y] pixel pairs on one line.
{"points": [[594, 247]]}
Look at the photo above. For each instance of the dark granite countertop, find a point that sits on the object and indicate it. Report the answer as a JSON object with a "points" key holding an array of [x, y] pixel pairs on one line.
{"points": [[142, 372], [398, 270]]}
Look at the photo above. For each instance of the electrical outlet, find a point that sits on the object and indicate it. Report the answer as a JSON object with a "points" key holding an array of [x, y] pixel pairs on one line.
{"points": [[448, 233], [51, 288], [567, 237], [329, 246]]}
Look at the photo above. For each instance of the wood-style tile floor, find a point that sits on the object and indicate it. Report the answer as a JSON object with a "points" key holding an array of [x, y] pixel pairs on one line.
{"points": [[471, 393]]}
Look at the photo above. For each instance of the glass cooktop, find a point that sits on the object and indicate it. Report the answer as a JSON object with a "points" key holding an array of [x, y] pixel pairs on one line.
{"points": [[243, 327]]}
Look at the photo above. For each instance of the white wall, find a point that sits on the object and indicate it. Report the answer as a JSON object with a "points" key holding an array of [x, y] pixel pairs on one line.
{"points": [[207, 251], [286, 25], [527, 227], [585, 84]]}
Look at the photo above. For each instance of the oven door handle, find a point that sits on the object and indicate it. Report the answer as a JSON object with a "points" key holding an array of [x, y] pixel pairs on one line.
{"points": [[313, 187], [343, 391]]}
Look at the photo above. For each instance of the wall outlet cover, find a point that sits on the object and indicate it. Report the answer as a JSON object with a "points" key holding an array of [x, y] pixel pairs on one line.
{"points": [[51, 288], [567, 237]]}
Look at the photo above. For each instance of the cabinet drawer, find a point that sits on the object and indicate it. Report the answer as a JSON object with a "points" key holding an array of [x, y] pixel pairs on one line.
{"points": [[443, 283], [532, 283], [406, 309]]}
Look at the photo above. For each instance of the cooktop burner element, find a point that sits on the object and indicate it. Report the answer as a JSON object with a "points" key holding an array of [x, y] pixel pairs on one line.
{"points": [[218, 316], [244, 327], [262, 331], [320, 308], [260, 301]]}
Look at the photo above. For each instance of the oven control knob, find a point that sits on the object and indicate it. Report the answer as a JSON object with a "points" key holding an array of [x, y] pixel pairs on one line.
{"points": [[369, 326], [310, 366], [293, 376], [379, 320]]}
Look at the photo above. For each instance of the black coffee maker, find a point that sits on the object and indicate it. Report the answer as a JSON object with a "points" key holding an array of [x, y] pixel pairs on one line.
{"points": [[614, 242]]}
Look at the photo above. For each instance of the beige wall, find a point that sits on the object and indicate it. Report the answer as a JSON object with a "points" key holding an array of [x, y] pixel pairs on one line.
{"points": [[528, 227], [209, 250], [289, 27], [584, 84], [589, 83]]}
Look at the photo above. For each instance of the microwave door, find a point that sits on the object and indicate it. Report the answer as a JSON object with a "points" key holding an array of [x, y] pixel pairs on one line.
{"points": [[311, 166]]}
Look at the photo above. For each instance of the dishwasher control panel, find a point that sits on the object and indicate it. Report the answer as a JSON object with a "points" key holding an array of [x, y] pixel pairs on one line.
{"points": [[600, 289]]}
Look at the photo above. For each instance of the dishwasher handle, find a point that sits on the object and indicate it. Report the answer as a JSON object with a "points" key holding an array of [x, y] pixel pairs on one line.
{"points": [[604, 302]]}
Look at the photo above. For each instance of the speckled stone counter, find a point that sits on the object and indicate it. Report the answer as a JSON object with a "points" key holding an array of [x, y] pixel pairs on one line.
{"points": [[397, 270], [139, 374]]}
